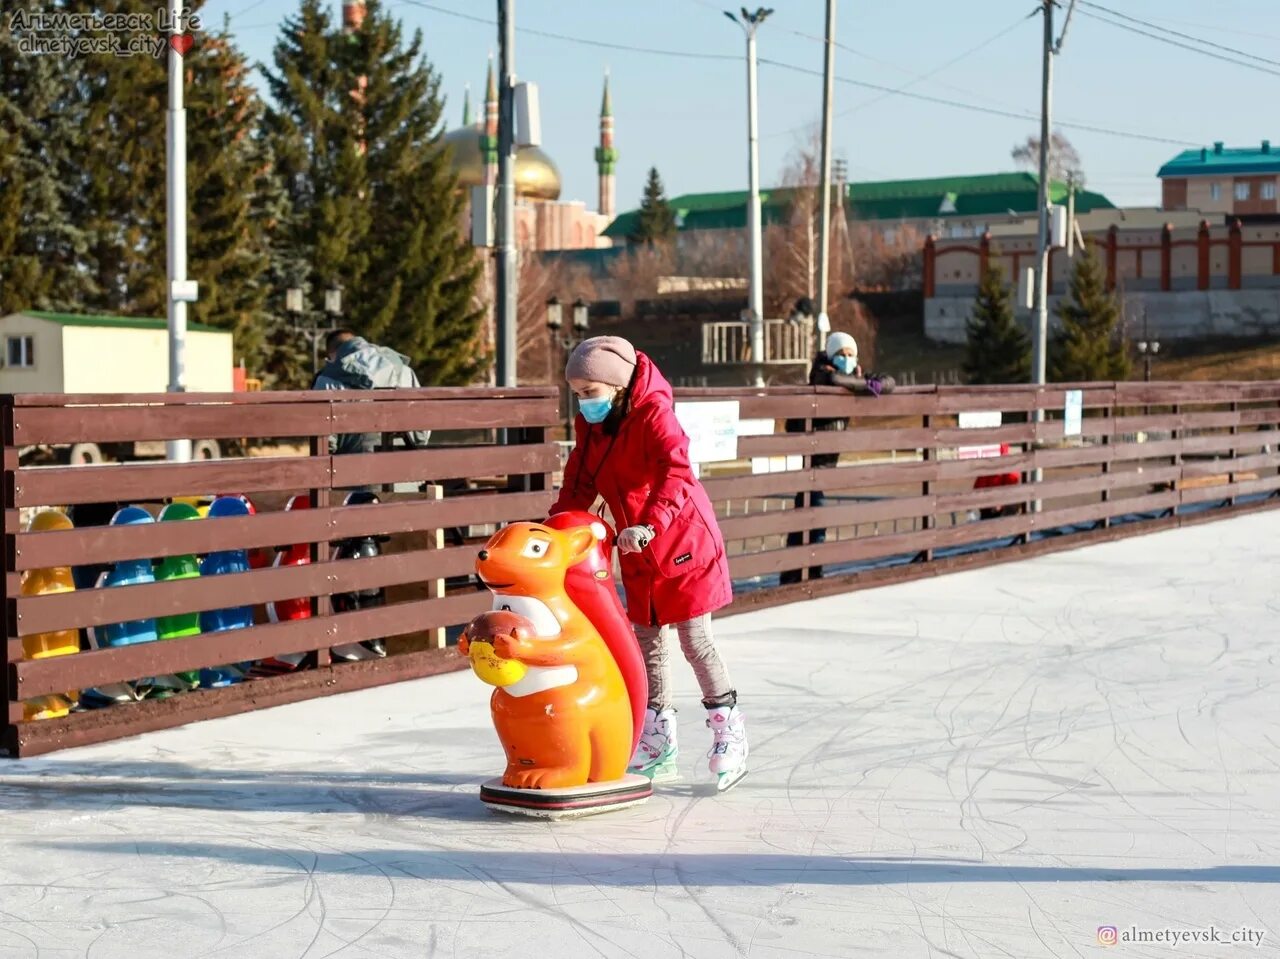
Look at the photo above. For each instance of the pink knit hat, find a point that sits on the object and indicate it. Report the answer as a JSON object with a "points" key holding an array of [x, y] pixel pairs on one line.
{"points": [[602, 359]]}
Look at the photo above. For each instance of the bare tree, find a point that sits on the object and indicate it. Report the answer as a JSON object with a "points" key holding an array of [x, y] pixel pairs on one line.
{"points": [[792, 252], [886, 259], [542, 277], [1064, 161], [634, 274]]}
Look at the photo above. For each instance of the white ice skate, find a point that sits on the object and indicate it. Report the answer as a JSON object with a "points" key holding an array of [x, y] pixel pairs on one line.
{"points": [[729, 746], [657, 752]]}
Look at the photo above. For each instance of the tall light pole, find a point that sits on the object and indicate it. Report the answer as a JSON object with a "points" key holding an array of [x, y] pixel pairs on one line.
{"points": [[1041, 329], [749, 23], [1042, 206], [181, 290], [824, 181], [508, 263], [1049, 50]]}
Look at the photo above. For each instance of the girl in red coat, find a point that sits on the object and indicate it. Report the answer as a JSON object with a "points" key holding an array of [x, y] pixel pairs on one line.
{"points": [[631, 451]]}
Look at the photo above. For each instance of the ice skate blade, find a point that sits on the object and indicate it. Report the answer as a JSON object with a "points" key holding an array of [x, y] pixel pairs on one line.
{"points": [[570, 803], [726, 781]]}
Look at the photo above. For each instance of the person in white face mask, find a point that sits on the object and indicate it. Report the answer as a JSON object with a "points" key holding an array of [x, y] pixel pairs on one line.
{"points": [[836, 365]]}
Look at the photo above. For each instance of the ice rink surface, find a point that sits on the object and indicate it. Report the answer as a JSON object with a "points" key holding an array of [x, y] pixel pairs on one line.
{"points": [[992, 763]]}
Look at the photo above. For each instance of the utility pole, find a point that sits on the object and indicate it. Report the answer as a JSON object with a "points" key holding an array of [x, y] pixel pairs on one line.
{"points": [[181, 290], [1041, 331], [750, 22], [824, 181], [1042, 204], [508, 256]]}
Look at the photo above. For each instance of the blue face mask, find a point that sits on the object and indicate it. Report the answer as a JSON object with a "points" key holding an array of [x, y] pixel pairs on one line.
{"points": [[595, 409], [845, 364]]}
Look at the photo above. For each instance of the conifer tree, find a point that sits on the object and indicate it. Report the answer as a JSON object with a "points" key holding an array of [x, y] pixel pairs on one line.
{"points": [[41, 159], [121, 197], [230, 194], [657, 221], [1088, 346], [374, 204], [999, 350]]}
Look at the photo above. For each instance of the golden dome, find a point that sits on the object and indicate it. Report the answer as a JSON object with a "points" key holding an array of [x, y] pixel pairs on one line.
{"points": [[536, 175]]}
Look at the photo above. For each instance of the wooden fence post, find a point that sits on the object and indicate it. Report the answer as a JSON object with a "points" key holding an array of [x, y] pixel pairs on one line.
{"points": [[1110, 413], [322, 606], [1234, 452], [436, 588], [12, 645], [930, 520]]}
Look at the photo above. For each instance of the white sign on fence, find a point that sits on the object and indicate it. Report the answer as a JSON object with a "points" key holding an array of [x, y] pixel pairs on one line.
{"points": [[979, 420], [712, 429], [1073, 413], [776, 464]]}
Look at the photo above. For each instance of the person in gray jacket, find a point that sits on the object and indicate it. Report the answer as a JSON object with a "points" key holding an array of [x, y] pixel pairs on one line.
{"points": [[356, 364]]}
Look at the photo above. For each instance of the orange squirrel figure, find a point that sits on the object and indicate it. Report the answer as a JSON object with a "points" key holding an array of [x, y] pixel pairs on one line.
{"points": [[561, 707]]}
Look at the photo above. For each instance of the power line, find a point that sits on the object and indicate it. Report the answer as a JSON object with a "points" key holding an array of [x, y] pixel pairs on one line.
{"points": [[915, 78], [653, 51], [1178, 43], [958, 104], [925, 98], [1175, 33]]}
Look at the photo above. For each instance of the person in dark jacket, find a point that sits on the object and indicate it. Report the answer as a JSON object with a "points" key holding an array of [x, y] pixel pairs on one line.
{"points": [[356, 364], [837, 365]]}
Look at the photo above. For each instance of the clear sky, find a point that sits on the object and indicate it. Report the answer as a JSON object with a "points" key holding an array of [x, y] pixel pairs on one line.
{"points": [[687, 115]]}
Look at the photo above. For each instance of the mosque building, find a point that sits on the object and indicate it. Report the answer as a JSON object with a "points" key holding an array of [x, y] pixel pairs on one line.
{"points": [[543, 220]]}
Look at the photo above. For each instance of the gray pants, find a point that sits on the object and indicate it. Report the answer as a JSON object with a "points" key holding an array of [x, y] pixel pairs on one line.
{"points": [[699, 648]]}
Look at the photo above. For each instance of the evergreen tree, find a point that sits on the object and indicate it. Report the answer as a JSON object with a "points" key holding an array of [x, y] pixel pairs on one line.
{"points": [[230, 191], [657, 221], [120, 199], [422, 293], [373, 202], [1089, 346], [999, 349], [41, 158]]}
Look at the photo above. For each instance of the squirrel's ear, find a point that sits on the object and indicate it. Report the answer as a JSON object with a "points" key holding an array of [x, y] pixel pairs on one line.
{"points": [[581, 542]]}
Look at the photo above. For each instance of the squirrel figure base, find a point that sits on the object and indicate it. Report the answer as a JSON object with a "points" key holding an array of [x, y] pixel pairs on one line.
{"points": [[570, 803]]}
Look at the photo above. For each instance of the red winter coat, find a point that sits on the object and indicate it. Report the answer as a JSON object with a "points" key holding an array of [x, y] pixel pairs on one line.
{"points": [[998, 479], [644, 475]]}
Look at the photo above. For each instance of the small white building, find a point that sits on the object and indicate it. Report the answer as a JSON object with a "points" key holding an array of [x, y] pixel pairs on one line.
{"points": [[76, 353]]}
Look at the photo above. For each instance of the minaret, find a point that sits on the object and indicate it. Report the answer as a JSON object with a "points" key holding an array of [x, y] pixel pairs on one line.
{"points": [[489, 138], [353, 14], [466, 106], [607, 157]]}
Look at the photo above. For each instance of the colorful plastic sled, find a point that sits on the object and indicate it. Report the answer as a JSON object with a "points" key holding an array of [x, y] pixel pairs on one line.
{"points": [[130, 572], [63, 642], [284, 610], [186, 624], [220, 563]]}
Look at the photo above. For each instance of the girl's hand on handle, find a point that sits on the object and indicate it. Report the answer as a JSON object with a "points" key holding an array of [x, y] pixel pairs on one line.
{"points": [[634, 538]]}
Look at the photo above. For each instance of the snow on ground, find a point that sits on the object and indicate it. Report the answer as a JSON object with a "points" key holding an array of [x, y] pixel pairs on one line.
{"points": [[993, 763]]}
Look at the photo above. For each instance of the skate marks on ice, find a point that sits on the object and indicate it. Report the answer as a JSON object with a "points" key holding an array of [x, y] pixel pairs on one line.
{"points": [[986, 764]]}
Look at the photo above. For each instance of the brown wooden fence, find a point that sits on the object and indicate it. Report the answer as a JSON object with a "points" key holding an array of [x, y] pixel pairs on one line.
{"points": [[900, 504]]}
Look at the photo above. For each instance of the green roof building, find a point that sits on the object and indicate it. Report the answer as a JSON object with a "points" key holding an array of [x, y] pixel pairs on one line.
{"points": [[46, 352], [954, 206]]}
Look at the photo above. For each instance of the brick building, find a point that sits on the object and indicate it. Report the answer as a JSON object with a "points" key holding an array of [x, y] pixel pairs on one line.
{"points": [[1235, 181]]}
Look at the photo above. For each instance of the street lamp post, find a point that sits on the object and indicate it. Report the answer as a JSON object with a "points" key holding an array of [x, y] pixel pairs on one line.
{"points": [[750, 22], [567, 342], [313, 329], [1147, 348]]}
